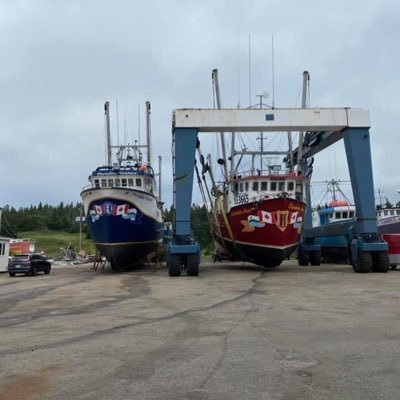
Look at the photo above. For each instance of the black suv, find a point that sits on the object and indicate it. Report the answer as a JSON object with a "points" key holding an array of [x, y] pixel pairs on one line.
{"points": [[28, 264]]}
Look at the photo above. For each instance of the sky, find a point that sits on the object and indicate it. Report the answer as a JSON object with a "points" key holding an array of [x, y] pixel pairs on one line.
{"points": [[62, 60]]}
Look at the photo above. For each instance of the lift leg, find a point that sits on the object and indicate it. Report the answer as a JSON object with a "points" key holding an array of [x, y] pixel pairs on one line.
{"points": [[368, 250], [308, 251], [183, 252]]}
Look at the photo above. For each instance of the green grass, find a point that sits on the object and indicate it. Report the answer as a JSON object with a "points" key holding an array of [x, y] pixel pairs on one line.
{"points": [[52, 241]]}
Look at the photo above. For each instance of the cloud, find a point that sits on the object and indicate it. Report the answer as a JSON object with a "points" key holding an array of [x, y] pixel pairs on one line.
{"points": [[62, 60]]}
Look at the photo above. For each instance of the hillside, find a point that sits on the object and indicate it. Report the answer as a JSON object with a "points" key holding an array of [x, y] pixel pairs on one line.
{"points": [[52, 241]]}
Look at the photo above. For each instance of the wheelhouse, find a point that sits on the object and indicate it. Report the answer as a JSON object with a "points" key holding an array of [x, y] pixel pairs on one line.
{"points": [[382, 213], [135, 177], [245, 189]]}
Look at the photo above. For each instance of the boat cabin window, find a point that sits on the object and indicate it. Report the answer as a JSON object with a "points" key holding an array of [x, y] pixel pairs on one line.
{"points": [[281, 186], [255, 186], [397, 212], [130, 181], [331, 215], [241, 187], [123, 182], [118, 182], [299, 190], [351, 214], [391, 212], [385, 213], [246, 186], [273, 186], [104, 182], [344, 214], [290, 186], [235, 187], [264, 185], [138, 182], [96, 183], [110, 183], [147, 185], [337, 215]]}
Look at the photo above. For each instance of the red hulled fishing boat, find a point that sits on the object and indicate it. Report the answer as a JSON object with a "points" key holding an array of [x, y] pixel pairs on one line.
{"points": [[259, 218], [257, 213]]}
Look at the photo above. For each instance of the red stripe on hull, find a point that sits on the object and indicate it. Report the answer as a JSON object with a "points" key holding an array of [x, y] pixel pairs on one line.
{"points": [[393, 242]]}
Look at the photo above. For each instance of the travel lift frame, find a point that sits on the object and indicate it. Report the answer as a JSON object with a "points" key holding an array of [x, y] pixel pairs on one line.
{"points": [[324, 126]]}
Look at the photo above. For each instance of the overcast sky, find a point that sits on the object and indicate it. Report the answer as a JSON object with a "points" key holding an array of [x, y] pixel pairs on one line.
{"points": [[62, 60]]}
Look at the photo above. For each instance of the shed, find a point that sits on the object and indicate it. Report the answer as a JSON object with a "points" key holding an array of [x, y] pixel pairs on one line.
{"points": [[4, 253]]}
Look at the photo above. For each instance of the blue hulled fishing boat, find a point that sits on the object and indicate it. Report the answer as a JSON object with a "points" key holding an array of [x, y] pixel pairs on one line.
{"points": [[122, 210]]}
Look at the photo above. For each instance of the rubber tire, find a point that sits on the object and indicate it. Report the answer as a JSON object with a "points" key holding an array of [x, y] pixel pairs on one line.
{"points": [[315, 258], [303, 258], [393, 266], [34, 271], [192, 265], [364, 263], [174, 266], [12, 274], [47, 270], [380, 261]]}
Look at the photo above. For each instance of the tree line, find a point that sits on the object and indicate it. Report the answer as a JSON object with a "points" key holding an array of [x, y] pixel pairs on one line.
{"points": [[41, 217]]}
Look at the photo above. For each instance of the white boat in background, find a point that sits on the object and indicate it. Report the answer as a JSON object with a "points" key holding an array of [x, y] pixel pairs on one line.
{"points": [[388, 220]]}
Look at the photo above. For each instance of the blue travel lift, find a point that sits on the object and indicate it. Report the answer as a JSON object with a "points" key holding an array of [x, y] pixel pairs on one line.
{"points": [[367, 249], [323, 127]]}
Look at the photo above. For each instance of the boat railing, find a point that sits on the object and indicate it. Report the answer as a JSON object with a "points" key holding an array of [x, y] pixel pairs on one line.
{"points": [[262, 174], [277, 195], [136, 188]]}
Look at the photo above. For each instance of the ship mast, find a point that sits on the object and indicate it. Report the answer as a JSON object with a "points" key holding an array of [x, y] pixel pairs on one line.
{"points": [[107, 114], [148, 132], [159, 177], [222, 137], [306, 78]]}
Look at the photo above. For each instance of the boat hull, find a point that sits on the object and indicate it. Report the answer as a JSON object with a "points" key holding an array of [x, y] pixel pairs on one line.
{"points": [[393, 241], [262, 233], [124, 224]]}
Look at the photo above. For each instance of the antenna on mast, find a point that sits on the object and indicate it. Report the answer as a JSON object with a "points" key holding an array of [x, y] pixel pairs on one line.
{"points": [[273, 73], [249, 71], [238, 77], [125, 130], [138, 110], [117, 123]]}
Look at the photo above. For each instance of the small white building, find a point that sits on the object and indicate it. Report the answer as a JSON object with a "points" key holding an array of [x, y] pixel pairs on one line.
{"points": [[4, 253]]}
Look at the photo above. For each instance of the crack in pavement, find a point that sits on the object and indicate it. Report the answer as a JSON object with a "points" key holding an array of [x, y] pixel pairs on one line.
{"points": [[133, 291], [116, 328]]}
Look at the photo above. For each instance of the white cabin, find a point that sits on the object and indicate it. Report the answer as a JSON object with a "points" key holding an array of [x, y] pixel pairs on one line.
{"points": [[253, 188], [387, 212]]}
